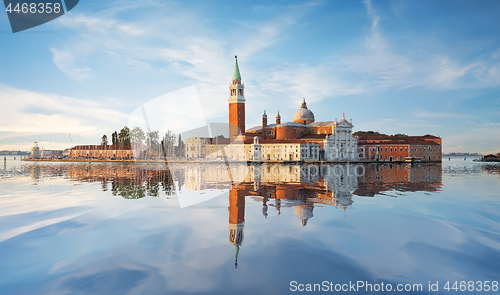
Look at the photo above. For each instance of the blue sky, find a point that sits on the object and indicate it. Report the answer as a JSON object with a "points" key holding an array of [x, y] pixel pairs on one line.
{"points": [[414, 67]]}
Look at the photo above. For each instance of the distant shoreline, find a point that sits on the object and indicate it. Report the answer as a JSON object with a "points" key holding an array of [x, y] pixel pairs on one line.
{"points": [[223, 162]]}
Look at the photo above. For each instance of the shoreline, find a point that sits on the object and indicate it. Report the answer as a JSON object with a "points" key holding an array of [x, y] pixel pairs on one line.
{"points": [[223, 162]]}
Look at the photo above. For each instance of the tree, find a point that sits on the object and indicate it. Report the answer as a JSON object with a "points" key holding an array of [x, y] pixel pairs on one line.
{"points": [[399, 134], [124, 136], [372, 132], [114, 138], [153, 138], [137, 135], [104, 140], [180, 147], [168, 142]]}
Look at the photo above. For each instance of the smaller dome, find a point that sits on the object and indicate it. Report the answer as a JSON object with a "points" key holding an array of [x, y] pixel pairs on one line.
{"points": [[303, 115]]}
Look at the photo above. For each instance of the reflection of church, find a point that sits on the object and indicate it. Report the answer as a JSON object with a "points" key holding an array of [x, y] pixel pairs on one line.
{"points": [[279, 188], [300, 187], [304, 187]]}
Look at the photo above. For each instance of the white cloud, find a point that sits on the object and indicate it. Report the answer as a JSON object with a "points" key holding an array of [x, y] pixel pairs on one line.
{"points": [[65, 61], [30, 113], [101, 25], [425, 114]]}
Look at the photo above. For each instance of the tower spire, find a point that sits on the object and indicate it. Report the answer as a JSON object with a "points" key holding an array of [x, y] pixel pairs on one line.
{"points": [[236, 75]]}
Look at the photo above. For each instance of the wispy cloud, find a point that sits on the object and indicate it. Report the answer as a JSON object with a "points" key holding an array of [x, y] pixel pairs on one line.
{"points": [[32, 113], [65, 61], [425, 114]]}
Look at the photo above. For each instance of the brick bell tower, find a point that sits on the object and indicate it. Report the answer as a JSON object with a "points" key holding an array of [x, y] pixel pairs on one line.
{"points": [[236, 104]]}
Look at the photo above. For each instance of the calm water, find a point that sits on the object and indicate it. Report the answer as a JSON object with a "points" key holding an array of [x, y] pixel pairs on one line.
{"points": [[144, 229]]}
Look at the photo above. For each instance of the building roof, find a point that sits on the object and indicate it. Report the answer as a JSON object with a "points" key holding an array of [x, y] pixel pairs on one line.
{"points": [[256, 128], [324, 123], [314, 136], [376, 136], [400, 142], [273, 141], [102, 147], [290, 124]]}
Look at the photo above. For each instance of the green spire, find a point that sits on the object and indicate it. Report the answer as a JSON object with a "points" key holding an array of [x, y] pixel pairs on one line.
{"points": [[236, 75], [236, 256]]}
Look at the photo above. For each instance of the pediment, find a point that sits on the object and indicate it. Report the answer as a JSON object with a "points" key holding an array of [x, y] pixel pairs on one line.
{"points": [[344, 123]]}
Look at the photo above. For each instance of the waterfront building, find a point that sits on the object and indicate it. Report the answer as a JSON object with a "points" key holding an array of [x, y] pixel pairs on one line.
{"points": [[102, 151], [51, 154], [35, 151], [386, 148]]}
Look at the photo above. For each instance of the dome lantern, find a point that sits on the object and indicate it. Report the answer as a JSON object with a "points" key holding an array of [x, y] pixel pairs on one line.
{"points": [[303, 115]]}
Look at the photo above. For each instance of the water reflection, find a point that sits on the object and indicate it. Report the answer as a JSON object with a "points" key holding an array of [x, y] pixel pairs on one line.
{"points": [[275, 212], [276, 186]]}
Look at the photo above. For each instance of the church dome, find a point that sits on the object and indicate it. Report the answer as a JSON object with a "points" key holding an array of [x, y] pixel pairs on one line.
{"points": [[303, 115]]}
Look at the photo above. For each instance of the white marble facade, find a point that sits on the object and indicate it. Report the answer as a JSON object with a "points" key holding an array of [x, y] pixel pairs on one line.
{"points": [[341, 145]]}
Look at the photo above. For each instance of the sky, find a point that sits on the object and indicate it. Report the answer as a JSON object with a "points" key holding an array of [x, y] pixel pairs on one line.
{"points": [[414, 67]]}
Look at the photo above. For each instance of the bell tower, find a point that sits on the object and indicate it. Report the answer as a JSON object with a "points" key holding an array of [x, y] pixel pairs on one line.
{"points": [[236, 104]]}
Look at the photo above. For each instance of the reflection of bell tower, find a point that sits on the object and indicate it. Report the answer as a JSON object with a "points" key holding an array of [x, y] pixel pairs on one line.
{"points": [[236, 104], [236, 219]]}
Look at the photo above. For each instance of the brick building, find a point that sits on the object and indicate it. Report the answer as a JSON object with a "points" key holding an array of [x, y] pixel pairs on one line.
{"points": [[386, 148], [102, 152]]}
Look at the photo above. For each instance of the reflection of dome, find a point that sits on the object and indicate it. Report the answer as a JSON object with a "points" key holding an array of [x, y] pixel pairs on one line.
{"points": [[304, 212], [303, 115]]}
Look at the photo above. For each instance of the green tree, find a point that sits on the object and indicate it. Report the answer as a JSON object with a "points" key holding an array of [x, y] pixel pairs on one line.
{"points": [[399, 134], [104, 140], [168, 142], [153, 139], [114, 138], [372, 132], [124, 136], [180, 147], [137, 135]]}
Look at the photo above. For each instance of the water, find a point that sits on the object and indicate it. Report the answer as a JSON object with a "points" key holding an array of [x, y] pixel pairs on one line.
{"points": [[73, 228]]}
